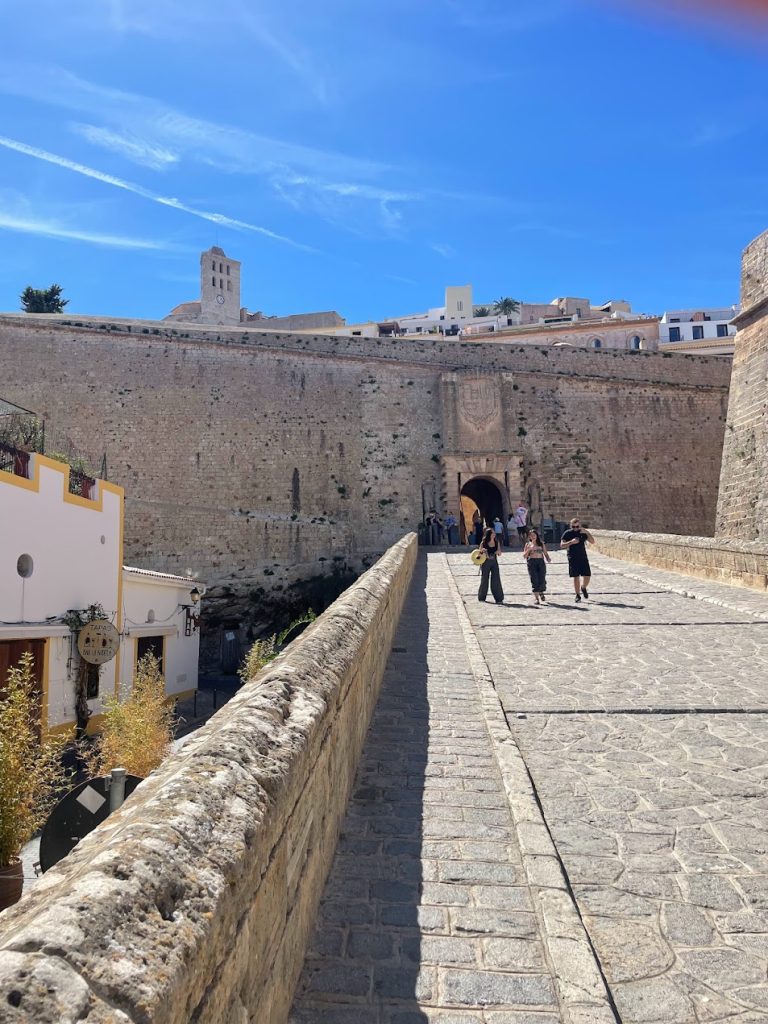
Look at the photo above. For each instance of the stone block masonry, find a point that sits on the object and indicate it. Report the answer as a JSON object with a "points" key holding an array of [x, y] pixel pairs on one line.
{"points": [[744, 563], [742, 509], [264, 460], [195, 902]]}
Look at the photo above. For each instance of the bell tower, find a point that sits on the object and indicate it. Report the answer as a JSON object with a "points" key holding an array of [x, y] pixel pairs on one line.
{"points": [[219, 287]]}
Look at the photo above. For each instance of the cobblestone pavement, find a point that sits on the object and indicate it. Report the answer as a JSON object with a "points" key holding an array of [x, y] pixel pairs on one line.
{"points": [[641, 715], [427, 916], [642, 718]]}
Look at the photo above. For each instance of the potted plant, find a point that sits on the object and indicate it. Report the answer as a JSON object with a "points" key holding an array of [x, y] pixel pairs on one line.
{"points": [[31, 774]]}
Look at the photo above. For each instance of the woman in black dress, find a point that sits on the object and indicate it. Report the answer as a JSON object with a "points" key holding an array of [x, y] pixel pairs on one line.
{"points": [[575, 540], [489, 570]]}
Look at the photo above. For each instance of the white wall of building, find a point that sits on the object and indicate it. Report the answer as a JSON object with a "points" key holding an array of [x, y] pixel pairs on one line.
{"points": [[75, 544], [153, 607], [682, 321], [74, 548]]}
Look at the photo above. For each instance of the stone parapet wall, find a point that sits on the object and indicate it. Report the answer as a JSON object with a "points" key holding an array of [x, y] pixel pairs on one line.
{"points": [[742, 504], [744, 563], [754, 273], [195, 902]]}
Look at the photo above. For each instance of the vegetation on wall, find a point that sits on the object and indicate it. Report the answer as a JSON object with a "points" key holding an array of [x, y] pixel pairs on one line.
{"points": [[267, 649]]}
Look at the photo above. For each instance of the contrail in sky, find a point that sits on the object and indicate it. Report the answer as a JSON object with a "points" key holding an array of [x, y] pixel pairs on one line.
{"points": [[138, 190]]}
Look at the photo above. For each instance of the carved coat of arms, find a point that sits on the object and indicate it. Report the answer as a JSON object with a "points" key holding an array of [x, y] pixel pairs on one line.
{"points": [[479, 401]]}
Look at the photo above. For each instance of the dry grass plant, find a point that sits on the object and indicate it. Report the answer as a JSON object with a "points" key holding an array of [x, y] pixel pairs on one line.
{"points": [[32, 776], [137, 733], [263, 651], [260, 654]]}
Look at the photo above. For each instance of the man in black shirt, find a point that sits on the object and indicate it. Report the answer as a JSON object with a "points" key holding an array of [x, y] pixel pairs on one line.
{"points": [[575, 541]]}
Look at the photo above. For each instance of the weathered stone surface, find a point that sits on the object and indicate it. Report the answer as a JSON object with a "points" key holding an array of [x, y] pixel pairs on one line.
{"points": [[288, 456], [198, 898], [724, 559], [645, 729]]}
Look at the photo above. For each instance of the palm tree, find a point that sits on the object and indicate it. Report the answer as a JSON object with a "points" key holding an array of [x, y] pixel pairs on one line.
{"points": [[506, 306]]}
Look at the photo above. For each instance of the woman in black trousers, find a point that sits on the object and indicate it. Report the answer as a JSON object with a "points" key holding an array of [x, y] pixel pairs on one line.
{"points": [[535, 553], [489, 570]]}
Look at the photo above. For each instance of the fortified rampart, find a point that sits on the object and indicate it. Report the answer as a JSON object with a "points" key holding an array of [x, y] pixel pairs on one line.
{"points": [[267, 460], [742, 509], [196, 900], [723, 559]]}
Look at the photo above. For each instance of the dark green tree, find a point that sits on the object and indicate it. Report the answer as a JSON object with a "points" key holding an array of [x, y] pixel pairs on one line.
{"points": [[43, 300], [506, 306], [481, 311]]}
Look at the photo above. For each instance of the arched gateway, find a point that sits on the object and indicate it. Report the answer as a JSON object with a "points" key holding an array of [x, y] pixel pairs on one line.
{"points": [[485, 494]]}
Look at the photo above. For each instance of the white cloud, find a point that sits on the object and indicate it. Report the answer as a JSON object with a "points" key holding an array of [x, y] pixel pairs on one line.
{"points": [[154, 123], [442, 249], [145, 193], [158, 158], [53, 229]]}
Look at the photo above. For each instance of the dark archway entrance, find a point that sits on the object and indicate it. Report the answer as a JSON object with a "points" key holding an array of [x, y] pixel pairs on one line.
{"points": [[485, 495]]}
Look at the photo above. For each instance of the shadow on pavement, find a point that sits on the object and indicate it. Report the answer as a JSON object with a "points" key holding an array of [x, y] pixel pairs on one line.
{"points": [[363, 964]]}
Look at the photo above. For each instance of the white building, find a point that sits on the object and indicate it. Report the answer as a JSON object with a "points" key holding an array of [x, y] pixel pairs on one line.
{"points": [[708, 331], [462, 316], [61, 552]]}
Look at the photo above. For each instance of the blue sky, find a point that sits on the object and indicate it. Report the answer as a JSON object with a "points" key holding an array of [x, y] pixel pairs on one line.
{"points": [[359, 155]]}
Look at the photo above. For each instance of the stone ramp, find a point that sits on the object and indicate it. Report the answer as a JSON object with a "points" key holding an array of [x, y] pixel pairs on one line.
{"points": [[642, 716], [428, 915]]}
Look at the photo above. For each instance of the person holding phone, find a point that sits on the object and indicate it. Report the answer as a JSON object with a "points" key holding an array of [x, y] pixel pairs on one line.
{"points": [[575, 540]]}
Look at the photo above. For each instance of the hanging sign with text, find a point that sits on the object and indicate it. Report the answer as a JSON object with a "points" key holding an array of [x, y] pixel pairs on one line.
{"points": [[98, 642]]}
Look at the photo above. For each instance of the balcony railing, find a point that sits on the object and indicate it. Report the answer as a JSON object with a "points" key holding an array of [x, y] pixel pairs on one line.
{"points": [[14, 460], [22, 433]]}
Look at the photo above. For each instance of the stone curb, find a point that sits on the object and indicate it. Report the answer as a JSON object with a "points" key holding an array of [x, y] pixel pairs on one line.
{"points": [[582, 991], [694, 594]]}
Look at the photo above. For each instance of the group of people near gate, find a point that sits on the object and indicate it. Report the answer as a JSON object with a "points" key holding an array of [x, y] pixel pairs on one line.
{"points": [[490, 542]]}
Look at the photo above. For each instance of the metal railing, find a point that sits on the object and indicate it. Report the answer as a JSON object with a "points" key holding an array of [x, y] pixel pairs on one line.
{"points": [[23, 433]]}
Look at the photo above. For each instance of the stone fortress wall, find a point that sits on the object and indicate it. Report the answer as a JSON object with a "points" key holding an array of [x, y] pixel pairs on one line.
{"points": [[196, 900], [742, 510], [264, 460]]}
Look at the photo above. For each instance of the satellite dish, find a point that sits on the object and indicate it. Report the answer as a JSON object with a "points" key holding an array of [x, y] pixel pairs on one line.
{"points": [[81, 810]]}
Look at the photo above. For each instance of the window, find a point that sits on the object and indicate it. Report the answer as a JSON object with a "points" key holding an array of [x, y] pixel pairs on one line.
{"points": [[674, 334], [698, 333], [153, 644], [674, 319], [596, 343], [221, 268], [213, 282], [221, 284], [229, 286], [459, 305], [213, 266], [227, 270], [722, 330], [91, 682], [634, 343]]}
